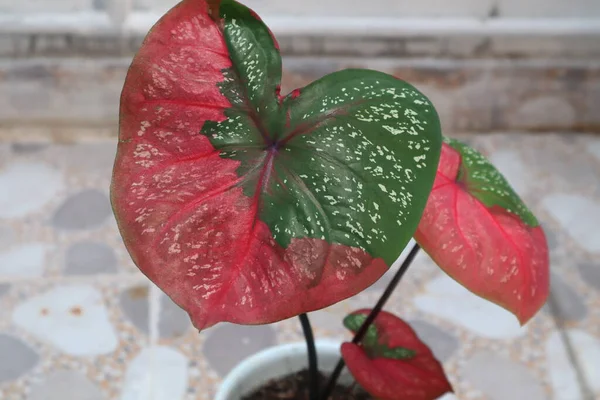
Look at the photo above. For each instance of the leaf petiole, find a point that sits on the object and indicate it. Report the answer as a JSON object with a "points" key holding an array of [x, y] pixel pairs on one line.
{"points": [[313, 363]]}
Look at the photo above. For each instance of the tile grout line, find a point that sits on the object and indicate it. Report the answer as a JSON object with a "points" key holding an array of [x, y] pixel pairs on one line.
{"points": [[154, 307], [153, 329], [584, 388]]}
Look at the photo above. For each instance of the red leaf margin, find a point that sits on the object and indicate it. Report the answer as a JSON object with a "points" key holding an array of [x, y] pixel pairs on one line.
{"points": [[419, 378], [489, 251]]}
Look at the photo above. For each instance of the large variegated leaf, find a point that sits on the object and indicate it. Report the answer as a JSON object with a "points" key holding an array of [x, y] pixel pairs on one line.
{"points": [[392, 363], [479, 231], [250, 207]]}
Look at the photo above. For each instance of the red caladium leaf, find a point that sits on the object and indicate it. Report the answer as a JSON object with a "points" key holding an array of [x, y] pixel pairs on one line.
{"points": [[250, 207], [478, 230], [392, 363]]}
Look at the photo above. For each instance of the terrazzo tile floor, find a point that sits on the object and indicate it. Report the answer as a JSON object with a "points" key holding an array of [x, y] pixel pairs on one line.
{"points": [[79, 322]]}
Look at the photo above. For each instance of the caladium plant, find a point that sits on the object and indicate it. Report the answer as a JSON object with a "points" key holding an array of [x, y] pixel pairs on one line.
{"points": [[480, 232], [251, 207], [392, 362], [248, 206]]}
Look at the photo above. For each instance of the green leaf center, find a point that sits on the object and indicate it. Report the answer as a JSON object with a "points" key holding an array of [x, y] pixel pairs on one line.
{"points": [[376, 345]]}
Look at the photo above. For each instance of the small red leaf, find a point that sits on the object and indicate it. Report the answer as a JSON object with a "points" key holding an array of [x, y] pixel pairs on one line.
{"points": [[499, 255], [420, 377]]}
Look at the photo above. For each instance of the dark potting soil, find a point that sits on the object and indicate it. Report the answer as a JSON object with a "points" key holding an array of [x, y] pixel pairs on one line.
{"points": [[295, 387]]}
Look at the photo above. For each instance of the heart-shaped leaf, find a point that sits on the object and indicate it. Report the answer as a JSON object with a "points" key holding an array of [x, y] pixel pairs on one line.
{"points": [[394, 364], [478, 230], [249, 207]]}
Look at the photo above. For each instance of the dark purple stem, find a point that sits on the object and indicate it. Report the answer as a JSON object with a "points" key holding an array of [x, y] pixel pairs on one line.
{"points": [[313, 364]]}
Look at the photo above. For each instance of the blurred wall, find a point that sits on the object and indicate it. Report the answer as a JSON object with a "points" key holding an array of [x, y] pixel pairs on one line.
{"points": [[424, 8], [488, 65], [349, 8]]}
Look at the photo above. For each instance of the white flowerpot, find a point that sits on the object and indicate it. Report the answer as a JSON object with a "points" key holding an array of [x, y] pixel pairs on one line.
{"points": [[277, 362]]}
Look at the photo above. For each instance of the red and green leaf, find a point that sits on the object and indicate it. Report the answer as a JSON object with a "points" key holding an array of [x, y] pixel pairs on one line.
{"points": [[477, 229], [392, 363], [251, 207]]}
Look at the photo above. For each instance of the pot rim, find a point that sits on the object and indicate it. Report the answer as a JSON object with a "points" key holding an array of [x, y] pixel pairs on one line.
{"points": [[267, 356]]}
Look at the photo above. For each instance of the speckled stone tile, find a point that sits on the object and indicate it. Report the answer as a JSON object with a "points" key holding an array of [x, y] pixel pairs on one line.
{"points": [[64, 204], [65, 331], [53, 257], [203, 379]]}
